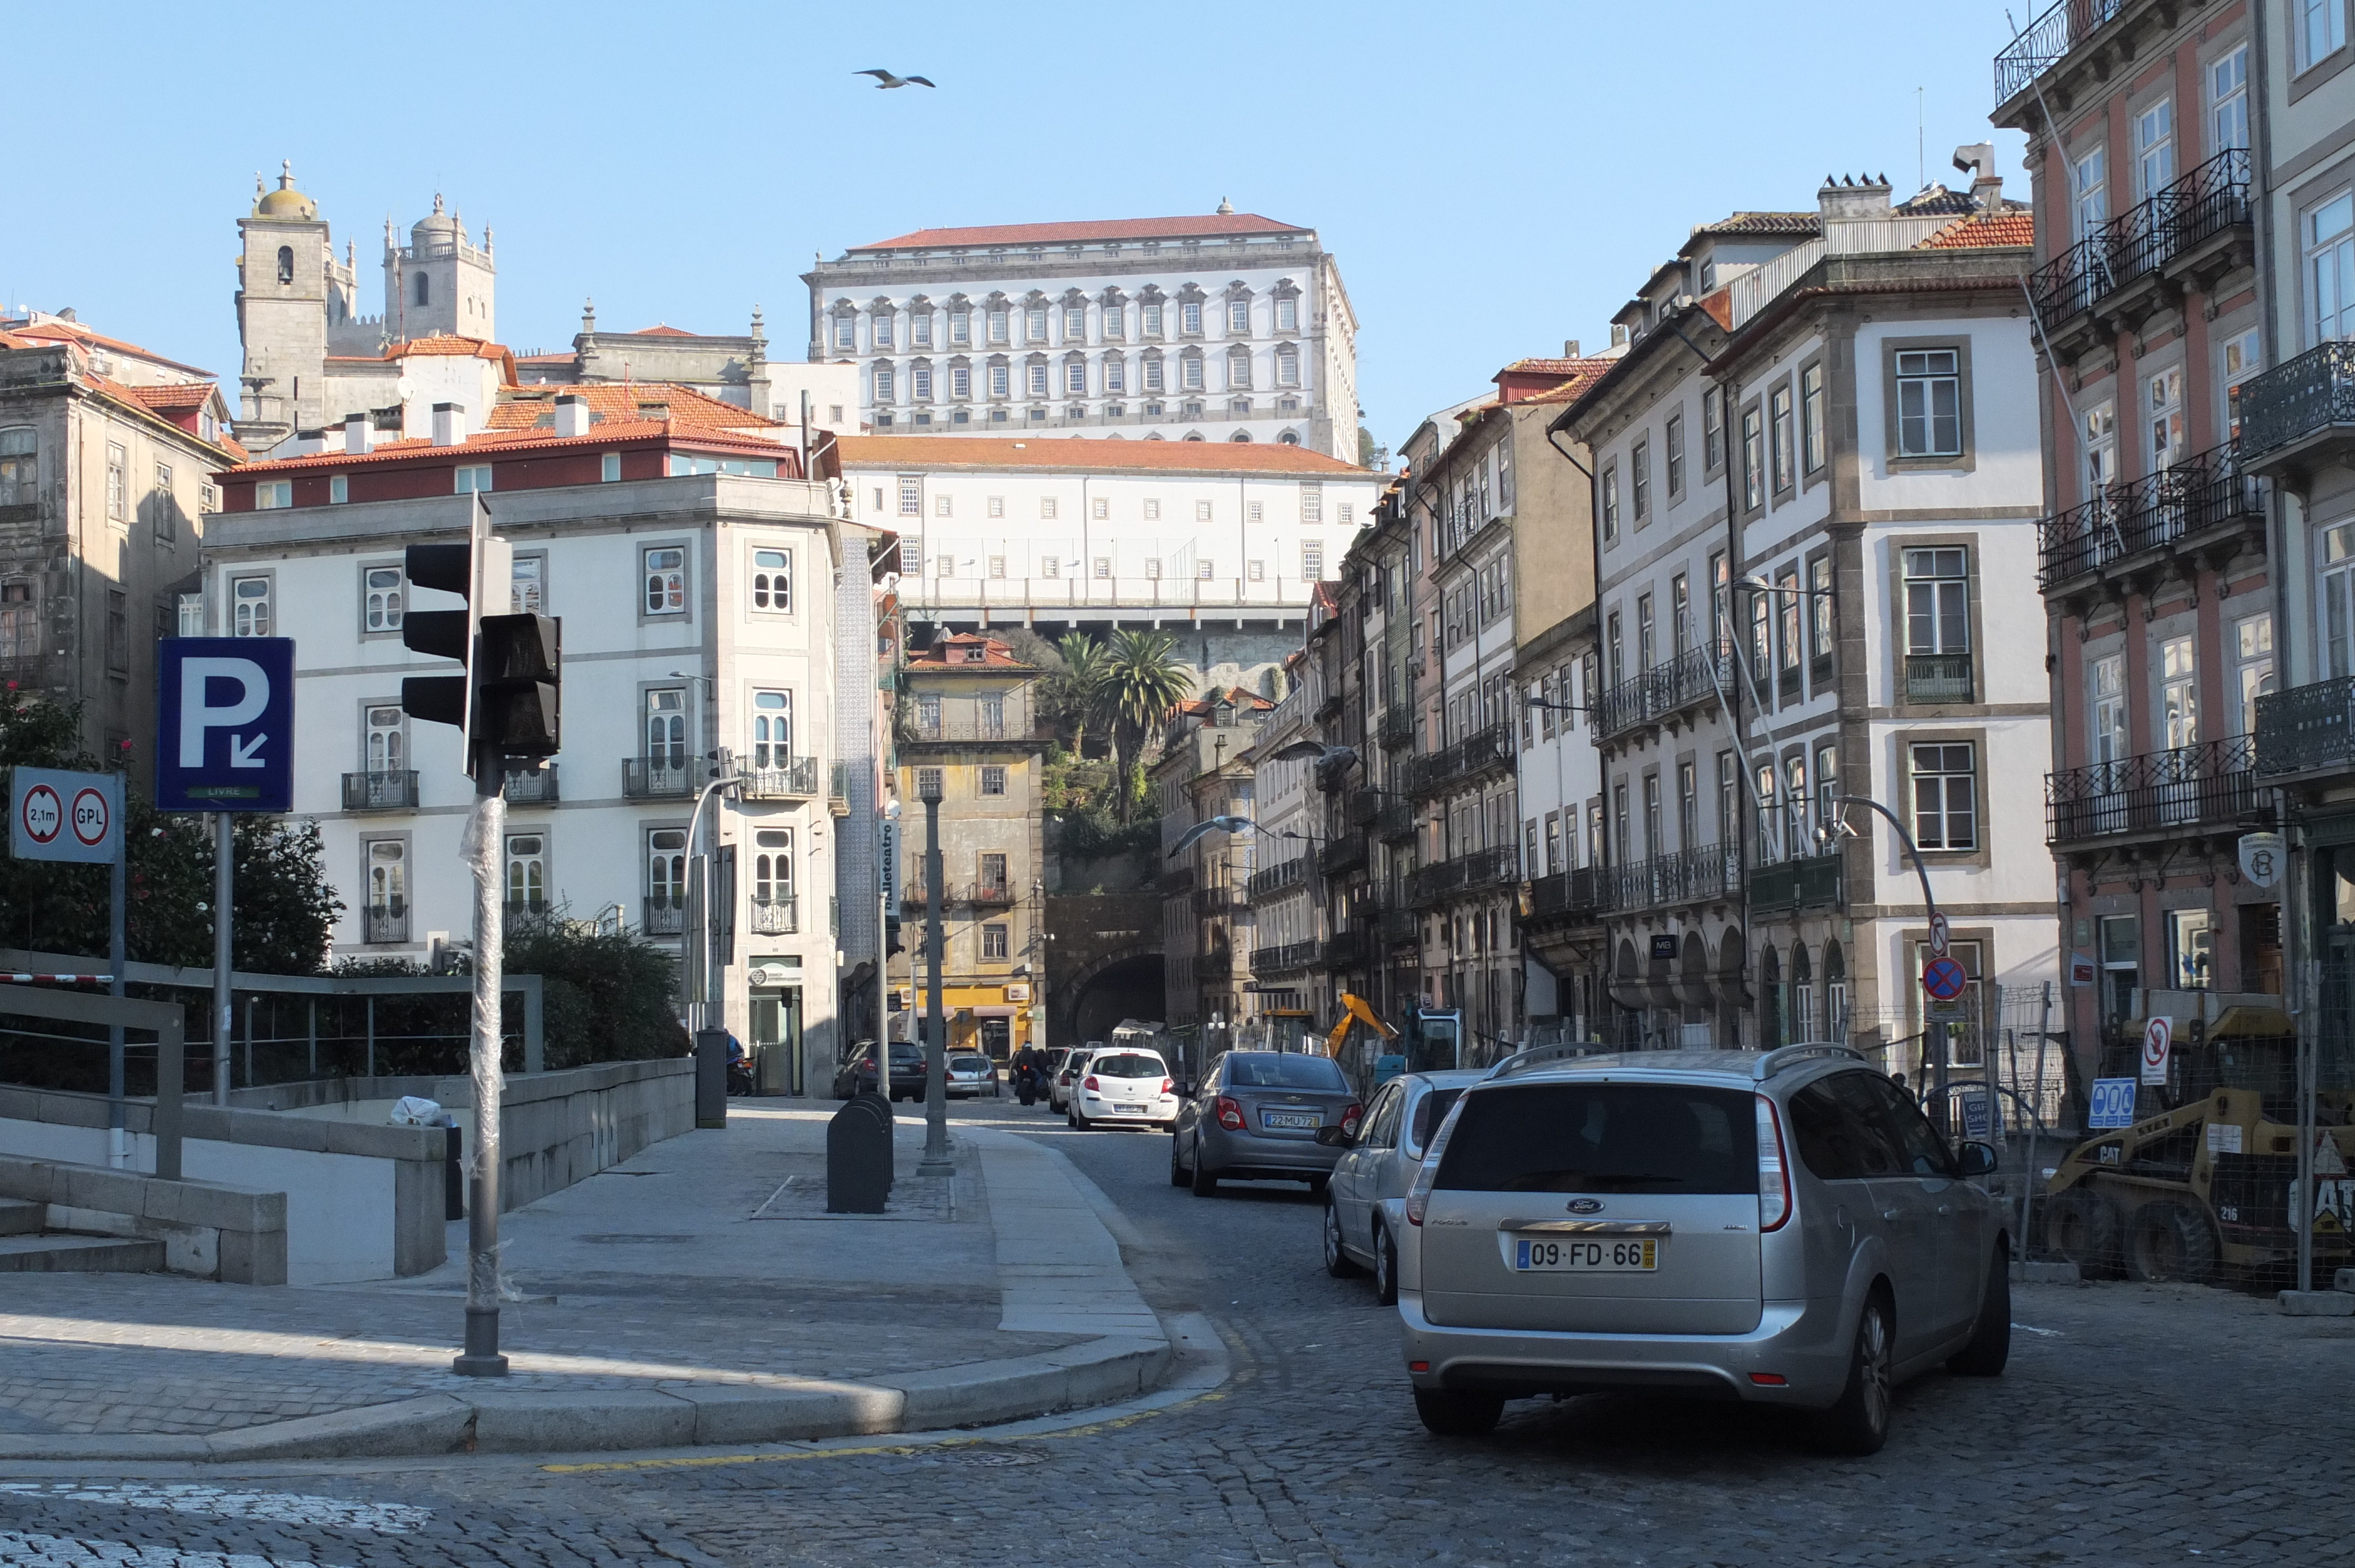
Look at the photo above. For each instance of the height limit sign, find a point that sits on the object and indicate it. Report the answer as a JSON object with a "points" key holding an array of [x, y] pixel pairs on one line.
{"points": [[53, 814]]}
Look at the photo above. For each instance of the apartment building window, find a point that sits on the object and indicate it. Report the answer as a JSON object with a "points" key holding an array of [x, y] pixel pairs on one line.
{"points": [[1937, 602], [1312, 560], [880, 327], [997, 565], [960, 382], [339, 489], [2163, 408], [2238, 359], [993, 875], [1191, 371], [1050, 566], [1148, 318], [1190, 319], [1552, 842], [846, 331], [1720, 600], [1153, 569], [380, 610], [919, 329], [1789, 603], [20, 624], [1946, 795], [2330, 265], [2228, 100], [1812, 451], [1639, 479], [473, 478], [1646, 644], [2100, 447], [1619, 821], [1254, 512], [1000, 324], [912, 559], [1238, 315], [772, 581], [1687, 806], [2178, 693], [609, 468], [928, 783], [1652, 823], [1048, 505], [1753, 458], [945, 566], [1610, 503], [666, 577], [1034, 324], [118, 484], [943, 506], [1762, 639], [1929, 403], [993, 779], [1728, 799], [20, 466], [1769, 846], [1204, 568], [960, 324], [1827, 787], [1679, 613], [526, 861], [2321, 29], [2190, 948], [1612, 649], [384, 748], [274, 494], [993, 940], [1256, 571], [666, 726], [1000, 382], [387, 878], [2154, 145], [249, 607], [118, 629], [1673, 445], [928, 714], [885, 391], [1103, 566], [1287, 314], [1712, 431], [1115, 377], [1312, 502], [773, 865], [919, 383], [2252, 648], [2121, 939], [772, 730], [1819, 613], [2108, 708], [1779, 435], [2093, 192]]}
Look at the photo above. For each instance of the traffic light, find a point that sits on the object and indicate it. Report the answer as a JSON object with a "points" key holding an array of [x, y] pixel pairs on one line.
{"points": [[507, 699]]}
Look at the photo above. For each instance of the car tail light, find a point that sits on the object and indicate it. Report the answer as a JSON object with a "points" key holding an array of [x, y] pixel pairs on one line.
{"points": [[1349, 1119], [1091, 1085], [1167, 1087], [1230, 1115], [1773, 1169], [1769, 1380], [1418, 1366], [1418, 1197]]}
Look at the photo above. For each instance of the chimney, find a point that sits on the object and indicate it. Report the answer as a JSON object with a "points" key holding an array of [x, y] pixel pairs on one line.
{"points": [[571, 415], [359, 434], [1848, 200], [1978, 159], [448, 425], [1570, 349], [1618, 334]]}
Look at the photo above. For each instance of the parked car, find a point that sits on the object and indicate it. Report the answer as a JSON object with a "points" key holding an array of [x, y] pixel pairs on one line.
{"points": [[1365, 1203], [1254, 1118], [1063, 1073], [1785, 1228], [1124, 1085], [972, 1075], [858, 1074]]}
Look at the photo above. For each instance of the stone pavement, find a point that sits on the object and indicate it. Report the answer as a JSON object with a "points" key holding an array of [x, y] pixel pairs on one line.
{"points": [[705, 1269]]}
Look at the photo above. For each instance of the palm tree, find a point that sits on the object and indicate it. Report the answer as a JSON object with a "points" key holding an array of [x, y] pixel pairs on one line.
{"points": [[1143, 680], [1077, 689]]}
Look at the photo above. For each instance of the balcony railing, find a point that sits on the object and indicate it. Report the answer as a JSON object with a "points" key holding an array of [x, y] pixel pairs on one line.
{"points": [[1348, 950], [384, 923], [2307, 728], [987, 893], [1938, 677], [2214, 782], [665, 916], [2309, 395], [1342, 857], [1691, 677], [775, 917], [1682, 876], [1222, 898], [532, 785], [1566, 894], [670, 777], [2143, 240], [1461, 763], [1811, 883], [777, 777], [1285, 958], [1269, 881], [960, 728], [2205, 491], [2047, 41], [389, 791], [1398, 926], [837, 787], [1465, 874], [1397, 728]]}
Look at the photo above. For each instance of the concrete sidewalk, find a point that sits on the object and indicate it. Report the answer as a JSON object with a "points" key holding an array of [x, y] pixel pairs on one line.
{"points": [[696, 1294]]}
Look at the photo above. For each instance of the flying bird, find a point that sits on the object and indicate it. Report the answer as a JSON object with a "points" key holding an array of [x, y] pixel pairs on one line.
{"points": [[885, 80]]}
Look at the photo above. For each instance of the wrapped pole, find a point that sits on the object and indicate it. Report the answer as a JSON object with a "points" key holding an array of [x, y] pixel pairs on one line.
{"points": [[486, 830]]}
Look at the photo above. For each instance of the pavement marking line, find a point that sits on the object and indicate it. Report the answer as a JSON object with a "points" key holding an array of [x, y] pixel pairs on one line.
{"points": [[2031, 1328], [19, 1549], [218, 1502]]}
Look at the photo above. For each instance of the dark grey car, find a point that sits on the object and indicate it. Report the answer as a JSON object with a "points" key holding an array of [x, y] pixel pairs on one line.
{"points": [[1254, 1118]]}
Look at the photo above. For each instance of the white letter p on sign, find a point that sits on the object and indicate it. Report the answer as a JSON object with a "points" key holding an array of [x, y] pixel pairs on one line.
{"points": [[254, 696]]}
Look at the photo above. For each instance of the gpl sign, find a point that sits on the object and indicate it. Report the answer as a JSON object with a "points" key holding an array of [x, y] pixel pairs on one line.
{"points": [[57, 815], [225, 724]]}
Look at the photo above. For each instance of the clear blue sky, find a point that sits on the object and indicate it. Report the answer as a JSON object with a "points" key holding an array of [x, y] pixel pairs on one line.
{"points": [[1493, 177]]}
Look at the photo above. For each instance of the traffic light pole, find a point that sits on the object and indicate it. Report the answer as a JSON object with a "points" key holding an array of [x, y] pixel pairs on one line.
{"points": [[486, 831], [224, 900]]}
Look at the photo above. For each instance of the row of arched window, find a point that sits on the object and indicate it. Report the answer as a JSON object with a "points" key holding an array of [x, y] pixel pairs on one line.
{"points": [[1109, 316], [1112, 375]]}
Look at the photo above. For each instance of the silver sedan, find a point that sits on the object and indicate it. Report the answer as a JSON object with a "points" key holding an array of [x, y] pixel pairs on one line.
{"points": [[1365, 1202]]}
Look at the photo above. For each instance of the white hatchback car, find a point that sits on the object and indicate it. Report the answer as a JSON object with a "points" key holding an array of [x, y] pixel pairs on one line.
{"points": [[1123, 1086]]}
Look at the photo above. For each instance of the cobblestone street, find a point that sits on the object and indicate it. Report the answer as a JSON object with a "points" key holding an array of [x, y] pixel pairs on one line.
{"points": [[2136, 1426]]}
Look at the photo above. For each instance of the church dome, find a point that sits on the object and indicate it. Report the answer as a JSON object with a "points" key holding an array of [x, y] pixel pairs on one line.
{"points": [[436, 222], [285, 201]]}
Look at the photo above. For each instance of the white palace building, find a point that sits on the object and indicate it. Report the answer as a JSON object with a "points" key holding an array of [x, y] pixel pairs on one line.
{"points": [[1230, 327]]}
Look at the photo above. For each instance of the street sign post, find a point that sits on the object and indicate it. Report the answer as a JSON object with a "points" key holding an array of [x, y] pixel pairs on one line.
{"points": [[1940, 935], [1943, 979], [2111, 1105], [55, 814], [2158, 1042]]}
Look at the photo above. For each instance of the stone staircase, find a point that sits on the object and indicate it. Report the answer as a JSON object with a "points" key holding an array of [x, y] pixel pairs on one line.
{"points": [[26, 1248]]}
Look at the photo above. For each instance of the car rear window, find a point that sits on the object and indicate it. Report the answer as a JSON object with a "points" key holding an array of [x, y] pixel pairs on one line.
{"points": [[1429, 1112], [1129, 1065], [907, 1053], [1603, 1138], [970, 1063], [1283, 1072]]}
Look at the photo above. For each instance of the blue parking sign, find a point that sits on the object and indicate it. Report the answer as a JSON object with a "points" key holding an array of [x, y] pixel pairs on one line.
{"points": [[225, 723], [2112, 1104]]}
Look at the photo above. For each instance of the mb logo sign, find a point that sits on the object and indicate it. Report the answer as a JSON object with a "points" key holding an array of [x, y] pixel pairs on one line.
{"points": [[225, 735]]}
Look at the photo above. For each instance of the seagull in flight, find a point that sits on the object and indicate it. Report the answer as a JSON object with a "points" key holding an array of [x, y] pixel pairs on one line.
{"points": [[885, 80]]}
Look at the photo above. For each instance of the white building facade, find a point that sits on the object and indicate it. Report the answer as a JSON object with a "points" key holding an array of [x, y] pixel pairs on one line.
{"points": [[1230, 327]]}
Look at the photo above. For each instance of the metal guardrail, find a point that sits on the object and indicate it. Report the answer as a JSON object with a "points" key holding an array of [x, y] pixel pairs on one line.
{"points": [[1812, 882], [1397, 728], [1223, 898], [1285, 958], [1566, 894], [384, 922], [1348, 950], [1466, 759], [2307, 727], [1271, 880], [2046, 42], [2199, 493], [1342, 857], [1938, 677], [664, 778], [1464, 873], [2294, 400], [1672, 686], [2199, 205], [793, 778], [392, 790], [2214, 781], [1399, 926], [1681, 876], [532, 785], [775, 917], [665, 917]]}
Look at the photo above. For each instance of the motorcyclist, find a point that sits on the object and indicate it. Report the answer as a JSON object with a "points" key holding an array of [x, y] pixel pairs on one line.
{"points": [[1030, 1064]]}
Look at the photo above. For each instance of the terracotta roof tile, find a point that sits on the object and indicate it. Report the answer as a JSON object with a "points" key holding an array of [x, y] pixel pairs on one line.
{"points": [[995, 655], [182, 396], [55, 331], [1216, 226], [448, 344], [662, 329], [1763, 223], [2010, 228], [1234, 696], [522, 407], [507, 442], [1546, 366], [1076, 452]]}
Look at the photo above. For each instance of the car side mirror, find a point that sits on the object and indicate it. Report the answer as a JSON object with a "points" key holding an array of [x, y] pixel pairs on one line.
{"points": [[1335, 1136], [1976, 1159]]}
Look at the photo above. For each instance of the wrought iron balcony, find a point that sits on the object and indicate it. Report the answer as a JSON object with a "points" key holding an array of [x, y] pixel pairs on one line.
{"points": [[1269, 881], [532, 785], [1349, 949], [956, 728], [388, 791], [1938, 677], [1397, 728], [2208, 490], [838, 788], [1342, 857], [1288, 958], [666, 914], [2146, 238], [1222, 898], [1470, 758], [2047, 41], [1682, 876], [1669, 688], [775, 917], [385, 922], [1465, 874], [2292, 410], [2163, 793], [669, 775], [1566, 896], [987, 893], [2306, 729], [1394, 822], [1400, 926], [1812, 882], [776, 777]]}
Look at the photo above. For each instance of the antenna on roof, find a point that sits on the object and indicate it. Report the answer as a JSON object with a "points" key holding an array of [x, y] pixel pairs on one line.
{"points": [[1920, 168]]}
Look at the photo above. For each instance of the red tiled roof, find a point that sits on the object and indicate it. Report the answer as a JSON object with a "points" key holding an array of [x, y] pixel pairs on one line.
{"points": [[447, 343], [567, 358], [662, 329], [522, 407], [1544, 366], [1076, 452], [55, 331], [1763, 223], [1234, 697], [995, 655], [1215, 226], [2010, 228], [504, 443], [182, 397]]}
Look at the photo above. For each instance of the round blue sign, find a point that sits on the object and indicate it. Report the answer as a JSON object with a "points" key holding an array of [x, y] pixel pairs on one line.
{"points": [[1943, 979]]}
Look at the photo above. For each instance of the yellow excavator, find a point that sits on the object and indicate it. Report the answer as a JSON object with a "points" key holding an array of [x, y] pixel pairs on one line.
{"points": [[1355, 1010], [2209, 1181]]}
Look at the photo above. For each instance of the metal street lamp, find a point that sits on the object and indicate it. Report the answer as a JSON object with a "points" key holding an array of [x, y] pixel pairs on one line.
{"points": [[1936, 1033], [704, 881], [936, 1161]]}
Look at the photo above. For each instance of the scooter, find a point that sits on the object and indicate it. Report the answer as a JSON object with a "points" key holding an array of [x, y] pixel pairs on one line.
{"points": [[1030, 1087], [740, 1075]]}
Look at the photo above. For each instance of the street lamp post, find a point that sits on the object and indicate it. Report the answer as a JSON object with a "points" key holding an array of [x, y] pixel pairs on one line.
{"points": [[935, 1162], [702, 1019], [1934, 1031], [887, 844]]}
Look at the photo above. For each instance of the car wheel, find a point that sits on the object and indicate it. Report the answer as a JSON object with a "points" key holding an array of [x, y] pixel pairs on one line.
{"points": [[1337, 1262], [1078, 1116], [1205, 1180], [2085, 1227], [1385, 1266], [1990, 1342], [1449, 1413], [1858, 1423], [1177, 1173], [2170, 1242]]}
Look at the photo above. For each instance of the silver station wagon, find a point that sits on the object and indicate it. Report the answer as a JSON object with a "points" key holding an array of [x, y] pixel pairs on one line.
{"points": [[1785, 1228]]}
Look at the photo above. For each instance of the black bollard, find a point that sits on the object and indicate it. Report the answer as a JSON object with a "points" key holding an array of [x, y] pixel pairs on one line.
{"points": [[711, 1077], [858, 1159], [453, 1174]]}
